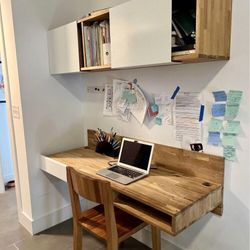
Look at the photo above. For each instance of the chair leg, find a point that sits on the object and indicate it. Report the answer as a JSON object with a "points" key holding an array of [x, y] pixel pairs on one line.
{"points": [[112, 245], [156, 238], [77, 237]]}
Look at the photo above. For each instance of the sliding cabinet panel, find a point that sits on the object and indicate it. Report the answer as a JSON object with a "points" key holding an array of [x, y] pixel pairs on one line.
{"points": [[63, 49], [141, 33]]}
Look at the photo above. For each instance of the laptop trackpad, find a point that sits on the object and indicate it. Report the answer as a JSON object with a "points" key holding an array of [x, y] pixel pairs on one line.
{"points": [[113, 176]]}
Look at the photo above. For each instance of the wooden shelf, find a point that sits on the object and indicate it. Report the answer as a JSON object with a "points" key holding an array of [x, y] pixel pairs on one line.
{"points": [[93, 36], [96, 68]]}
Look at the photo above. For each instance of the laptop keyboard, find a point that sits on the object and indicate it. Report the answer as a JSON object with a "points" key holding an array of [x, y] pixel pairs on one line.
{"points": [[124, 171]]}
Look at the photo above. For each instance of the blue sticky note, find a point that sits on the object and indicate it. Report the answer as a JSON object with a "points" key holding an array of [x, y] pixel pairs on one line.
{"points": [[218, 110], [214, 138], [158, 121], [220, 96]]}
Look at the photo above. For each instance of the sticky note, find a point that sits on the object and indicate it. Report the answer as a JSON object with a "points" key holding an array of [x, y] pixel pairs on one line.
{"points": [[158, 121], [231, 111], [218, 110], [229, 153], [215, 125], [232, 127], [234, 97], [220, 96], [214, 138], [228, 140]]}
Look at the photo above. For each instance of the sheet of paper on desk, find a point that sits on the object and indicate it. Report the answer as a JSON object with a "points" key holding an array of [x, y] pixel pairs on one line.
{"points": [[187, 111]]}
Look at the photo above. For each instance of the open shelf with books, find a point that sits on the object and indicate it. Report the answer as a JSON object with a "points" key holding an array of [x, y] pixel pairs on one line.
{"points": [[201, 30], [94, 32]]}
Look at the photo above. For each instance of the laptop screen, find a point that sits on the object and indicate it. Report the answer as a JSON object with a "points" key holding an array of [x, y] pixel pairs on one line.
{"points": [[136, 154]]}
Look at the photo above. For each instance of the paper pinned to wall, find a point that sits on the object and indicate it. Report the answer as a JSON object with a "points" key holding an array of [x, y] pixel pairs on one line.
{"points": [[187, 111]]}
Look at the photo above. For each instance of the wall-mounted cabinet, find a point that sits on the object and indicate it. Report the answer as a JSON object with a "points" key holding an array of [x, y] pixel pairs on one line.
{"points": [[141, 33], [63, 49]]}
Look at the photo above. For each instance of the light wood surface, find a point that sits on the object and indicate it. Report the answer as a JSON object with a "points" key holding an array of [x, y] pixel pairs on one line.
{"points": [[213, 31], [96, 68], [181, 188], [105, 222]]}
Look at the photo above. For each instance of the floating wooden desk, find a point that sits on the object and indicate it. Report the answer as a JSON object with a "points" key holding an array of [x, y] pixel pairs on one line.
{"points": [[184, 187]]}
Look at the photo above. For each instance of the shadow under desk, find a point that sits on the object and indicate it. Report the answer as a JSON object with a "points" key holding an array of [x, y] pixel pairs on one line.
{"points": [[168, 199]]}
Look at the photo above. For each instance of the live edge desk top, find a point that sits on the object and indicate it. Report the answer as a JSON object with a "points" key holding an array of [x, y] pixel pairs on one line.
{"points": [[184, 187]]}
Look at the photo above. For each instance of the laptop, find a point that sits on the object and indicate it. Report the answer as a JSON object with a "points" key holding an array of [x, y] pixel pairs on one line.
{"points": [[133, 162]]}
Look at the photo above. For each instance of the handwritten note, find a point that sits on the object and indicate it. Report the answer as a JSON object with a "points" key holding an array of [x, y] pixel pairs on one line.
{"points": [[218, 110], [234, 97], [232, 127], [228, 140], [220, 96], [214, 138], [229, 153], [215, 125], [231, 111]]}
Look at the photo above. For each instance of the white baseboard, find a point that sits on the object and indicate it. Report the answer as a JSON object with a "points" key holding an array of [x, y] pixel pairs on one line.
{"points": [[25, 221], [51, 219]]}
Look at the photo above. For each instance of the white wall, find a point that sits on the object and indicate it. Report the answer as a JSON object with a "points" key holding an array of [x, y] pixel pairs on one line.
{"points": [[57, 111]]}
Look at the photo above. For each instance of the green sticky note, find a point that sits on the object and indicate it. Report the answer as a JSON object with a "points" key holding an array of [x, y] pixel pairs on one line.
{"points": [[232, 127], [231, 111], [234, 97], [229, 140], [215, 125], [229, 153]]}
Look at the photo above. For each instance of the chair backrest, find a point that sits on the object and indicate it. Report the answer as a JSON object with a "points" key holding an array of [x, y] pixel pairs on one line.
{"points": [[96, 190]]}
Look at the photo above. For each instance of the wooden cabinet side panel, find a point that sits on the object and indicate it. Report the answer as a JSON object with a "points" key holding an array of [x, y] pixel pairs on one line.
{"points": [[213, 28], [63, 47]]}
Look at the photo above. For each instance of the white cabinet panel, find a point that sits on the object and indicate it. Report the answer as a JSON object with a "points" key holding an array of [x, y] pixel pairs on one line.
{"points": [[141, 33], [63, 49]]}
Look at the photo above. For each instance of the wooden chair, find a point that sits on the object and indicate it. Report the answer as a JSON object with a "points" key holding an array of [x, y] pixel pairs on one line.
{"points": [[106, 222]]}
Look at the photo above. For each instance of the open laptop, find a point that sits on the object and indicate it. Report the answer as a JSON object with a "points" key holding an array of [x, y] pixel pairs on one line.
{"points": [[133, 162]]}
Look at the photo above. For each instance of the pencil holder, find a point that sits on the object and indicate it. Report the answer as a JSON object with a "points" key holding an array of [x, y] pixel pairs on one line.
{"points": [[104, 147]]}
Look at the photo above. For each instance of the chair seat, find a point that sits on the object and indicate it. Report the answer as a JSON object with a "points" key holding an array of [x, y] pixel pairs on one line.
{"points": [[93, 220]]}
